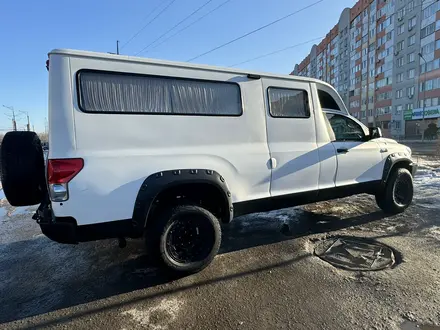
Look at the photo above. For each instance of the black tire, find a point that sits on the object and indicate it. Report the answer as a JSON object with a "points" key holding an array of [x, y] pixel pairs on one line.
{"points": [[22, 166], [164, 238], [398, 192]]}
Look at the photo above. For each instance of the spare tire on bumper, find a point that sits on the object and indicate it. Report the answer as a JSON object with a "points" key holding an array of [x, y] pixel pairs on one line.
{"points": [[22, 166]]}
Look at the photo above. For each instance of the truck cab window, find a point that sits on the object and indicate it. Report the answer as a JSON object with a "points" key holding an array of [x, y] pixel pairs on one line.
{"points": [[345, 129], [327, 101]]}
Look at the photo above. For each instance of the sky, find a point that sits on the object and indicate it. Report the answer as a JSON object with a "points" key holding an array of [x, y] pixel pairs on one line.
{"points": [[30, 29]]}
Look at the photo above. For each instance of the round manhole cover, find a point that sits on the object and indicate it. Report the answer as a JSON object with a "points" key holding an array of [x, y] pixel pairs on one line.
{"points": [[354, 253]]}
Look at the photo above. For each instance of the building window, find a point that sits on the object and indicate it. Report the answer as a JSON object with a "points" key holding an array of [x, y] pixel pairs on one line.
{"points": [[397, 124], [411, 73], [383, 110], [384, 96], [428, 48], [399, 77], [399, 93], [412, 40], [400, 62], [411, 57], [429, 11], [364, 64], [409, 106], [401, 45], [411, 23], [426, 31], [410, 91], [432, 65], [430, 84], [354, 104], [400, 29], [399, 109]]}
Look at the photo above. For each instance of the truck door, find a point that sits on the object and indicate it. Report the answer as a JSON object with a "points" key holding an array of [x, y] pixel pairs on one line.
{"points": [[359, 160], [291, 135]]}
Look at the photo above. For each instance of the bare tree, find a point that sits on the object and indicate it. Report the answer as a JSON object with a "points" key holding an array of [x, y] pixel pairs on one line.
{"points": [[44, 137]]}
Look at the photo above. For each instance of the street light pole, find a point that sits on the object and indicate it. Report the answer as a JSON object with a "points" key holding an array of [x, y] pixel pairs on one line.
{"points": [[14, 122], [28, 126], [424, 98]]}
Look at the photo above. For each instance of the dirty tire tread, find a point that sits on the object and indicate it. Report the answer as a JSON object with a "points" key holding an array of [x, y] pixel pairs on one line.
{"points": [[156, 231], [23, 170], [385, 200]]}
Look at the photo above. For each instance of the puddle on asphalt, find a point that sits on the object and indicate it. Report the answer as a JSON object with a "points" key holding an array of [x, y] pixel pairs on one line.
{"points": [[21, 210], [354, 253]]}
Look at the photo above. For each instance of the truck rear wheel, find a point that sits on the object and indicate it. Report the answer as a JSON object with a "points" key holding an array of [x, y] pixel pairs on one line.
{"points": [[398, 192], [22, 166], [185, 238]]}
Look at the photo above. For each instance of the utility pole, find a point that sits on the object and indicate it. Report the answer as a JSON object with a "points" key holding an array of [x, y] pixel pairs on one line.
{"points": [[28, 126], [14, 122], [117, 47]]}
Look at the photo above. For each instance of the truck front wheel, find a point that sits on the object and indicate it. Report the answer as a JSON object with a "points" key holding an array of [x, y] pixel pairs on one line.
{"points": [[398, 192]]}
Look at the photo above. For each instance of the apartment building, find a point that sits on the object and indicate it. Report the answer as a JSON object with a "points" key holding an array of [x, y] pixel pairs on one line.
{"points": [[383, 57]]}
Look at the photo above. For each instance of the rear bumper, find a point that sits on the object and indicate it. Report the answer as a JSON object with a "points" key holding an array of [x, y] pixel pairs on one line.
{"points": [[65, 229], [60, 231]]}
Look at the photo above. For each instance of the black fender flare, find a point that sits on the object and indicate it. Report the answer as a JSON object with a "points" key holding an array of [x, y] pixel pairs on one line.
{"points": [[154, 184], [398, 159]]}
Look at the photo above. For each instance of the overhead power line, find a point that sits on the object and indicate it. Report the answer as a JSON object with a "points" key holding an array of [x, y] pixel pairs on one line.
{"points": [[278, 51], [188, 26], [256, 30], [148, 23], [186, 18]]}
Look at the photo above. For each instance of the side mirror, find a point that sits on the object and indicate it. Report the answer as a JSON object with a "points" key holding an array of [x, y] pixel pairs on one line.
{"points": [[375, 132]]}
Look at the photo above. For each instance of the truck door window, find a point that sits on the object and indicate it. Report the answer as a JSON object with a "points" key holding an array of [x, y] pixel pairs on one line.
{"points": [[327, 101], [288, 103], [345, 129]]}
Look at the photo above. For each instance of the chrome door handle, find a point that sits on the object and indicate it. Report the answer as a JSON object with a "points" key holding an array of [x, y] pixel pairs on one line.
{"points": [[342, 150], [383, 150]]}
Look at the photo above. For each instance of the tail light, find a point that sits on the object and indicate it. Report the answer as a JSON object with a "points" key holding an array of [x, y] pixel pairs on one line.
{"points": [[59, 173]]}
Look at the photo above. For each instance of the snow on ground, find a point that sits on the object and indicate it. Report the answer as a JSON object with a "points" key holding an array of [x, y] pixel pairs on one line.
{"points": [[427, 183]]}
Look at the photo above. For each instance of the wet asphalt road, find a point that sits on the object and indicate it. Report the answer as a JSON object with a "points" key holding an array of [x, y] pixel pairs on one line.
{"points": [[266, 276]]}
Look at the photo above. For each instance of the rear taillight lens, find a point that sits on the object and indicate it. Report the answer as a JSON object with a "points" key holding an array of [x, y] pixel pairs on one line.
{"points": [[59, 173], [63, 170]]}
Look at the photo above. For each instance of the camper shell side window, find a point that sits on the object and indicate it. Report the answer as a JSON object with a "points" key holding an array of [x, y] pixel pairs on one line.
{"points": [[108, 92]]}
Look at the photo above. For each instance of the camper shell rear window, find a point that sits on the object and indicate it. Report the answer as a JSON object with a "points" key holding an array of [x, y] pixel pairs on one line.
{"points": [[126, 93]]}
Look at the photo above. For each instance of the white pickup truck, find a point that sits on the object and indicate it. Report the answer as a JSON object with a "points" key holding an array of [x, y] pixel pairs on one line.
{"points": [[167, 150]]}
